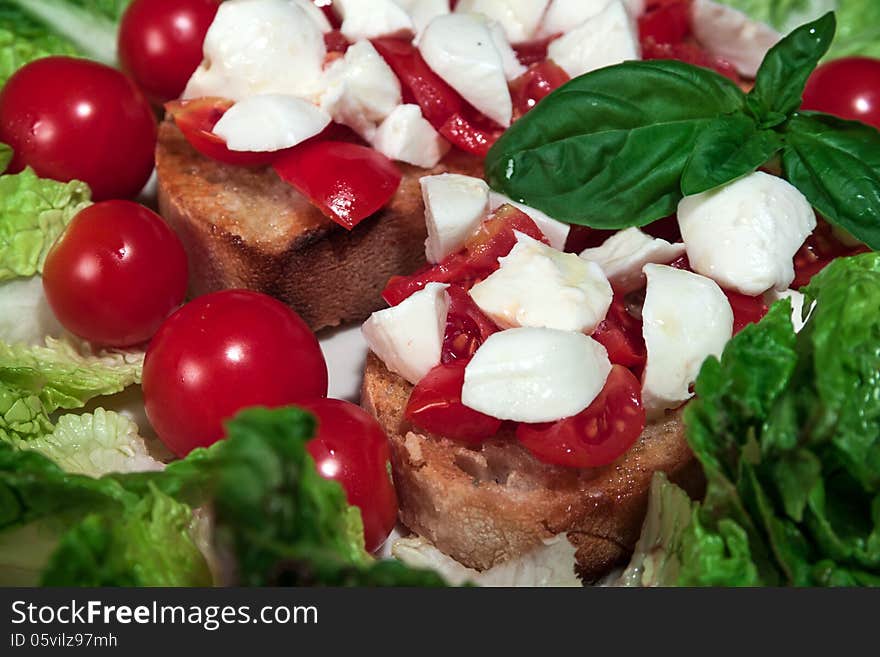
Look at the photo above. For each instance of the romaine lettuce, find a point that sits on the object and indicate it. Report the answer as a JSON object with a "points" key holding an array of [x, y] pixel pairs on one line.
{"points": [[787, 429], [33, 213]]}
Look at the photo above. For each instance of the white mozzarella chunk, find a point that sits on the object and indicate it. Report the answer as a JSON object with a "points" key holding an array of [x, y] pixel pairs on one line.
{"points": [[405, 135], [565, 15], [687, 318], [555, 231], [518, 18], [422, 12], [732, 35], [369, 19], [315, 14], [798, 321], [535, 375], [623, 255], [454, 207], [260, 47], [460, 49], [361, 90], [513, 68], [536, 285], [610, 37], [270, 122], [744, 234], [408, 337]]}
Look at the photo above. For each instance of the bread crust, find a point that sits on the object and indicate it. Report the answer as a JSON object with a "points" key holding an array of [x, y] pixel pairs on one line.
{"points": [[484, 506], [246, 228]]}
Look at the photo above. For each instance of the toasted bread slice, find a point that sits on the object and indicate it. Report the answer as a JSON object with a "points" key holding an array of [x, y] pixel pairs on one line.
{"points": [[484, 506], [246, 228]]}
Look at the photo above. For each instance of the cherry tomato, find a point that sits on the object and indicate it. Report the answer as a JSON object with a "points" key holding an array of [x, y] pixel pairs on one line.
{"points": [[533, 52], [848, 88], [223, 352], [596, 436], [196, 119], [621, 335], [346, 181], [115, 274], [746, 310], [420, 84], [160, 43], [666, 21], [435, 406], [468, 135], [75, 119], [335, 41], [479, 257], [351, 448], [535, 84], [466, 326]]}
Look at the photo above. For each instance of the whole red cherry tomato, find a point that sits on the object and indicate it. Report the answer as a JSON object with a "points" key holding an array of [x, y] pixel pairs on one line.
{"points": [[75, 119], [848, 88], [223, 352], [596, 436], [351, 448], [115, 274], [160, 43], [435, 406]]}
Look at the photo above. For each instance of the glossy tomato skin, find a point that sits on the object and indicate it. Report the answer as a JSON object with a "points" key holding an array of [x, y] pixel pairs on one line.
{"points": [[467, 327], [346, 182], [223, 352], [160, 43], [76, 119], [351, 448], [596, 436], [435, 406], [848, 88], [115, 274]]}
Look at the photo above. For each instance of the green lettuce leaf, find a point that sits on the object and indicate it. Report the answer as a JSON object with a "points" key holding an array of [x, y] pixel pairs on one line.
{"points": [[95, 444], [787, 428], [858, 21], [24, 39], [5, 157], [33, 213], [150, 545]]}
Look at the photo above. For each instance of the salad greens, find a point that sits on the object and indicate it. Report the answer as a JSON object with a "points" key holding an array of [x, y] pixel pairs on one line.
{"points": [[787, 429], [858, 20], [267, 518], [30, 29], [600, 152]]}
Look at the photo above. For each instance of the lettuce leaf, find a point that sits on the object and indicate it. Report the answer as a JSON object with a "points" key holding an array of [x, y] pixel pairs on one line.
{"points": [[787, 428], [33, 213], [858, 21], [150, 545], [95, 444], [24, 39], [5, 157]]}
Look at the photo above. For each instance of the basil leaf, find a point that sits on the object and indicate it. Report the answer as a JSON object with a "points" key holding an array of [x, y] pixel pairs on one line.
{"points": [[836, 165], [729, 147], [608, 148], [780, 82]]}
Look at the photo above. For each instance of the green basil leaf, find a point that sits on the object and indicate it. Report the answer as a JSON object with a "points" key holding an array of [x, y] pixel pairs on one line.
{"points": [[836, 165], [608, 148], [780, 82], [729, 147]]}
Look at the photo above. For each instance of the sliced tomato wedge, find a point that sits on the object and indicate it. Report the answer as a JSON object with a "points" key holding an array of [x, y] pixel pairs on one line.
{"points": [[196, 119], [621, 335], [820, 248], [536, 83], [535, 51], [346, 181], [596, 436], [335, 41], [421, 85], [689, 53], [746, 310], [666, 21], [467, 135], [493, 239], [467, 327], [435, 406]]}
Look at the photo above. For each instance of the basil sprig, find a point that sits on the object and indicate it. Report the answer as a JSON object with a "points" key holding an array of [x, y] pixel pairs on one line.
{"points": [[622, 145]]}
